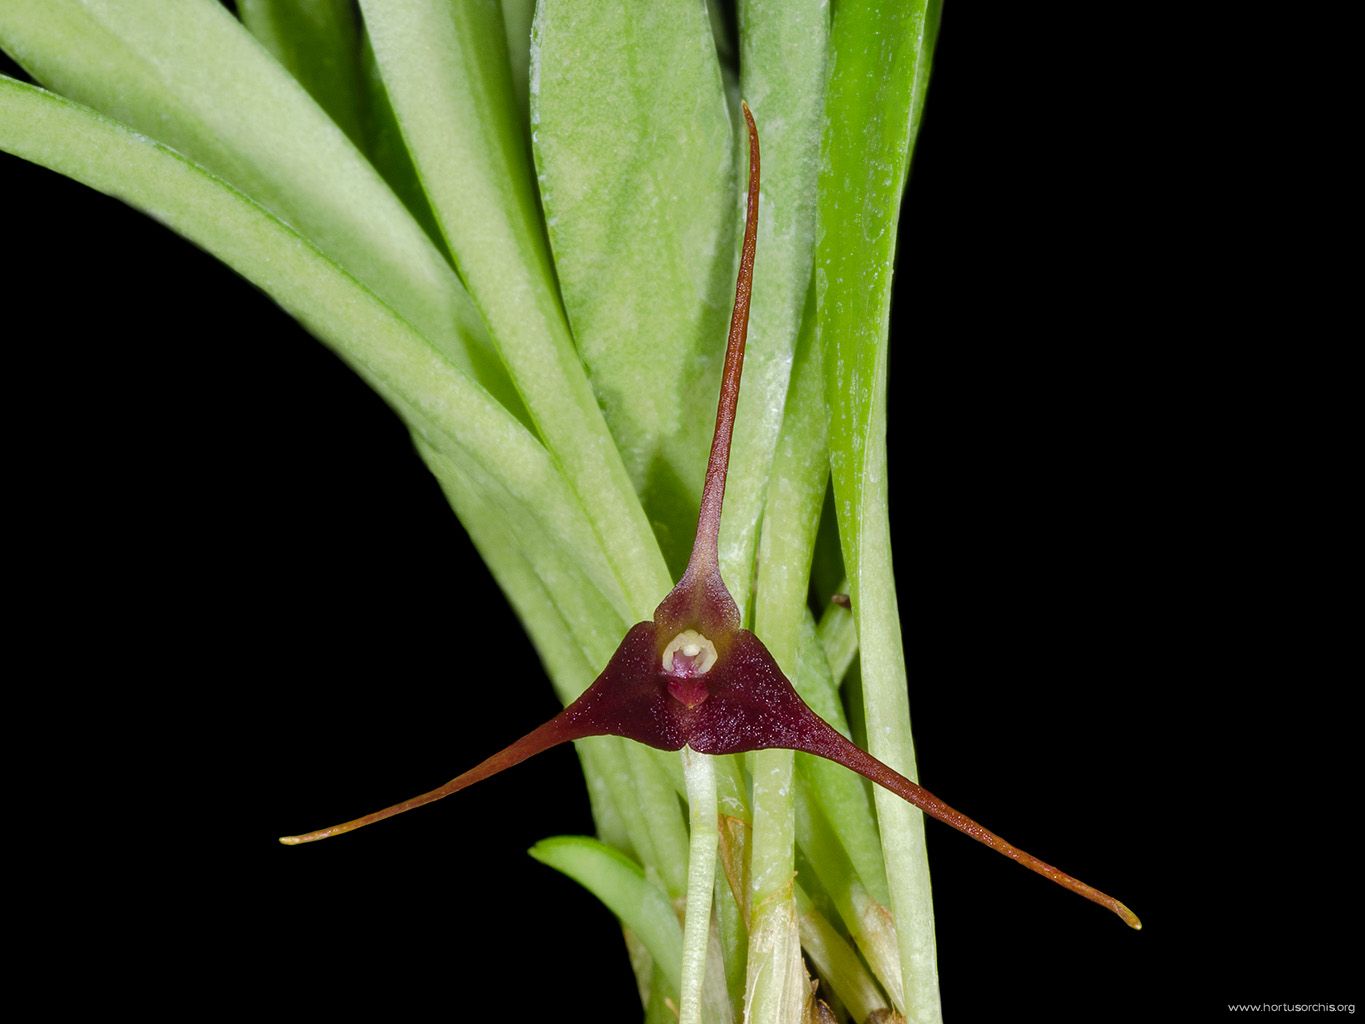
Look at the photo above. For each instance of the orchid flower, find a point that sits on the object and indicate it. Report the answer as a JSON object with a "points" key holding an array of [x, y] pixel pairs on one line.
{"points": [[692, 677]]}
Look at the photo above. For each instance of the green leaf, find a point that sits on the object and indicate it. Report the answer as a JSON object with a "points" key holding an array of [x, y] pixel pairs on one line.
{"points": [[782, 75], [795, 492], [876, 91], [446, 408], [637, 176], [839, 637], [731, 932], [385, 148], [517, 16], [190, 76], [621, 884], [841, 796], [574, 626], [782, 60], [317, 41], [837, 961], [445, 67], [833, 874]]}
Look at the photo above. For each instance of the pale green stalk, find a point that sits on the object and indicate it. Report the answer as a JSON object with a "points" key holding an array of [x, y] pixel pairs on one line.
{"points": [[701, 878], [777, 988]]}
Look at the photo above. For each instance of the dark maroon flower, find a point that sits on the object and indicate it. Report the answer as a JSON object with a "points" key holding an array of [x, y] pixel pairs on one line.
{"points": [[693, 677]]}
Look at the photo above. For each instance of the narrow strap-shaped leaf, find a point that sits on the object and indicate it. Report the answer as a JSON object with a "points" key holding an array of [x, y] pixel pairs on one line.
{"points": [[794, 494], [318, 42], [879, 68], [516, 17], [608, 814], [839, 637], [445, 67], [796, 490], [722, 32], [574, 626], [837, 962], [385, 147], [623, 146], [188, 74], [620, 883], [841, 797], [661, 1008], [866, 920], [782, 73], [731, 931], [783, 48], [449, 410]]}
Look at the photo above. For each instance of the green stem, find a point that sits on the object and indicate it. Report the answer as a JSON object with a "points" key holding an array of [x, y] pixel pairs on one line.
{"points": [[776, 984], [701, 878]]}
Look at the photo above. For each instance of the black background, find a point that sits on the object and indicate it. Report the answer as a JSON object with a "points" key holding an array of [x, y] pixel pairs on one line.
{"points": [[252, 597]]}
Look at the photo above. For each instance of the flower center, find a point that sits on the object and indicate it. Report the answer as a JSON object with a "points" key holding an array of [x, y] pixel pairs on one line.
{"points": [[689, 654]]}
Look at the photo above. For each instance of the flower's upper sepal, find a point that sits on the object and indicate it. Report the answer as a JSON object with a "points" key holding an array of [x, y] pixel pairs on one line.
{"points": [[700, 601]]}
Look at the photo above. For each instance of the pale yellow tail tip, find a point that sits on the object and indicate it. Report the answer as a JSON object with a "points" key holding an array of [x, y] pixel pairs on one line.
{"points": [[295, 840], [1129, 918]]}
